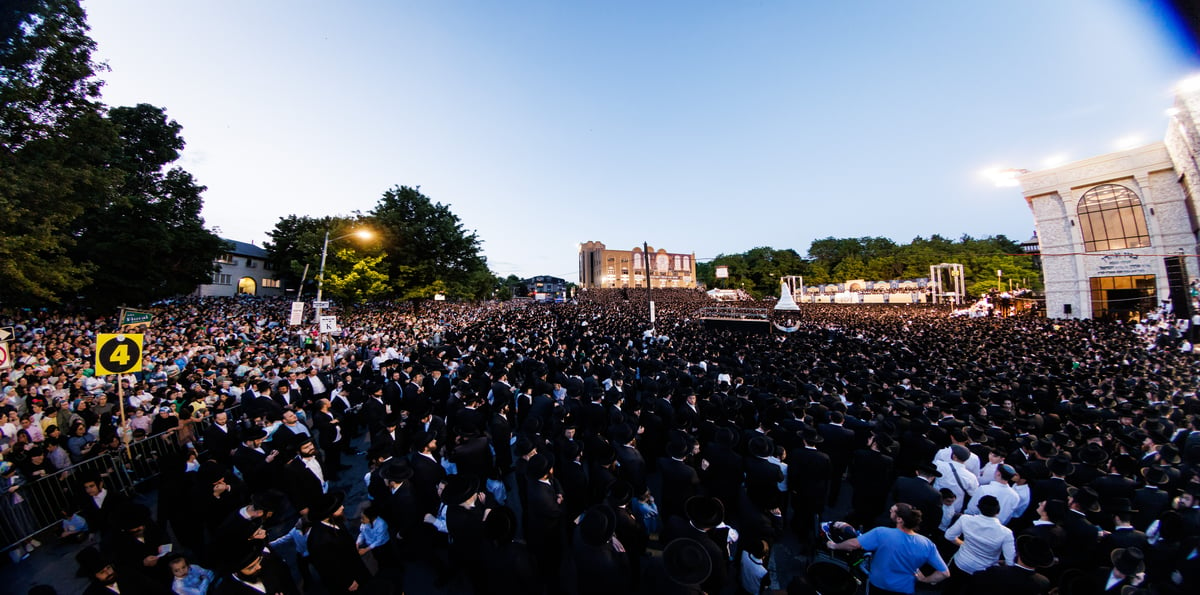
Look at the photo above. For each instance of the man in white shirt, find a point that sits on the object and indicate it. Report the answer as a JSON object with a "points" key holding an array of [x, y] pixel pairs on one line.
{"points": [[955, 476], [999, 488], [982, 539]]}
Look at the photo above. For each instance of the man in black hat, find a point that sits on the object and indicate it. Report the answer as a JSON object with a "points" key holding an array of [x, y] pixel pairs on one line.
{"points": [[1082, 536], [839, 443], [374, 411], [246, 525], [331, 547], [427, 471], [1023, 577], [544, 520], [255, 571], [919, 492], [509, 566], [466, 512], [1151, 500], [871, 474], [1128, 569], [252, 460], [809, 476], [99, 504], [303, 475], [103, 578], [600, 568], [679, 479], [1123, 534], [139, 544], [704, 522]]}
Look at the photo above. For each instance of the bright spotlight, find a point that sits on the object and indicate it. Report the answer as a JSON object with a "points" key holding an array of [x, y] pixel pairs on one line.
{"points": [[1190, 84], [1055, 160], [1004, 177], [1127, 142]]}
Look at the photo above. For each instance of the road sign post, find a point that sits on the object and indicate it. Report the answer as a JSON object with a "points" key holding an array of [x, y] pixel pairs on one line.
{"points": [[119, 354]]}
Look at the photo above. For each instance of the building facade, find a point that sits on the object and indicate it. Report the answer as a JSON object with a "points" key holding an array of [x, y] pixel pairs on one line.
{"points": [[545, 288], [1118, 232], [244, 270], [601, 267]]}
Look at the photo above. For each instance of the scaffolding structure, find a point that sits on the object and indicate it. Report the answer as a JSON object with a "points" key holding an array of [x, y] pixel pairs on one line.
{"points": [[957, 283]]}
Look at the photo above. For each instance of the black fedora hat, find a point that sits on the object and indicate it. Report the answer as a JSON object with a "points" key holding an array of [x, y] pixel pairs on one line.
{"points": [[459, 489], [687, 562], [501, 525], [1060, 465], [761, 446], [928, 468], [705, 512], [1119, 505], [1155, 475], [326, 505], [597, 525], [397, 470], [1035, 551], [811, 436], [91, 561], [1093, 454], [620, 493], [254, 433], [537, 467], [1086, 498], [1128, 560]]}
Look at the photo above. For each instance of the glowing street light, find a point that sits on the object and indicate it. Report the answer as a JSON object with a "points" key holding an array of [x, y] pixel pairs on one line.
{"points": [[362, 234]]}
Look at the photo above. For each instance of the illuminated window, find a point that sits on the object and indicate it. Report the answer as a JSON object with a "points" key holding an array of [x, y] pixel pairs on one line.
{"points": [[273, 283], [1111, 218]]}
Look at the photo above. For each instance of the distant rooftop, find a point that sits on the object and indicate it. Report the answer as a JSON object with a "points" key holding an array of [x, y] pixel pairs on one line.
{"points": [[244, 249]]}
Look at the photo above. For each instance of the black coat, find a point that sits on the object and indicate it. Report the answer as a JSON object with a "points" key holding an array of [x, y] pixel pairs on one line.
{"points": [[809, 472], [331, 550], [922, 494], [679, 482], [1008, 580]]}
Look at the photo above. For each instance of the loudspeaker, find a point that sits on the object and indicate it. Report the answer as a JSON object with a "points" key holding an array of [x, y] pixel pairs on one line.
{"points": [[1066, 308], [1177, 284]]}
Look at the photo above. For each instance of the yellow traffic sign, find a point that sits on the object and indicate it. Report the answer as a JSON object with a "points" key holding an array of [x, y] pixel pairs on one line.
{"points": [[118, 354]]}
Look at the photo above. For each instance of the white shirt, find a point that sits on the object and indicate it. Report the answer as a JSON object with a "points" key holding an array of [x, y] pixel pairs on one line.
{"points": [[1008, 498], [952, 474], [972, 462], [984, 539], [753, 571]]}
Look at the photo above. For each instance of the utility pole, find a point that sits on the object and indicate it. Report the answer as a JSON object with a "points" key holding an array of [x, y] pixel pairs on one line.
{"points": [[649, 296]]}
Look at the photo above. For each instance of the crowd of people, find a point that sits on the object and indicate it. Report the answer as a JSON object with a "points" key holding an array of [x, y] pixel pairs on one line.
{"points": [[569, 448]]}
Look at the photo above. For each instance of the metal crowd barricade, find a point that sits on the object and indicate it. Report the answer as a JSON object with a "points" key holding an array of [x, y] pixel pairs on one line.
{"points": [[42, 504]]}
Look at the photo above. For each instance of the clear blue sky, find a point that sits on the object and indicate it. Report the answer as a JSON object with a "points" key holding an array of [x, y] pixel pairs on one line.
{"points": [[706, 127]]}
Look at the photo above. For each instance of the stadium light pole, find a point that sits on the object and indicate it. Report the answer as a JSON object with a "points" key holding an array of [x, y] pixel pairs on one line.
{"points": [[362, 234]]}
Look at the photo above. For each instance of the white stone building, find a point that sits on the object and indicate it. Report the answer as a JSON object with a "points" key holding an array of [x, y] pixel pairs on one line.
{"points": [[1110, 226], [244, 269]]}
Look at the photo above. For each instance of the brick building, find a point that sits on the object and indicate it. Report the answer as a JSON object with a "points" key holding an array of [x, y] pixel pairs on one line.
{"points": [[601, 267]]}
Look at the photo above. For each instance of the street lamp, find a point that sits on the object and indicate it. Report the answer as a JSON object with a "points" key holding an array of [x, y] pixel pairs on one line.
{"points": [[362, 234]]}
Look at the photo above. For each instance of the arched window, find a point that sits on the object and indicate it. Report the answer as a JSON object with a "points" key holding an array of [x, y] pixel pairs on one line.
{"points": [[1111, 218]]}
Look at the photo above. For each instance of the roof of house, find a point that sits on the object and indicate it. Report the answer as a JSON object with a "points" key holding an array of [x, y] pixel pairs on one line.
{"points": [[244, 249]]}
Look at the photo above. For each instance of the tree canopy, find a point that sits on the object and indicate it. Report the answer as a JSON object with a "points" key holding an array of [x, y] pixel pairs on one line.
{"points": [[834, 260], [419, 249], [90, 204]]}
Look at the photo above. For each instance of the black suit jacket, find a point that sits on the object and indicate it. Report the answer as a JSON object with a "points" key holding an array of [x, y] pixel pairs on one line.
{"points": [[332, 552], [544, 519], [1008, 580], [679, 482], [922, 494]]}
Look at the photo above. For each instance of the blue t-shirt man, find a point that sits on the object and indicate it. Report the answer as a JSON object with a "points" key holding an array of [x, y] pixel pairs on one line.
{"points": [[899, 553]]}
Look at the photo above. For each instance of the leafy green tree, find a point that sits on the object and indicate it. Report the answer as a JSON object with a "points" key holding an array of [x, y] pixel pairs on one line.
{"points": [[296, 242], [363, 278], [149, 242], [427, 244], [54, 147]]}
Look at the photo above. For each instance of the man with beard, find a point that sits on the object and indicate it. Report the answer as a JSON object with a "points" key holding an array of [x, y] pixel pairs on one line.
{"points": [[256, 572], [331, 547], [103, 578], [304, 477]]}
